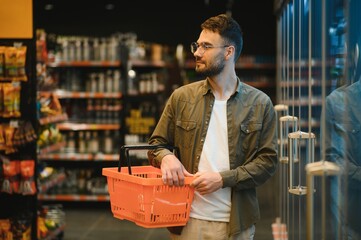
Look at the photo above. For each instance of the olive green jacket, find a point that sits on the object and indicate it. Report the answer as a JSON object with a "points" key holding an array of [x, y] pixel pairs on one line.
{"points": [[251, 124]]}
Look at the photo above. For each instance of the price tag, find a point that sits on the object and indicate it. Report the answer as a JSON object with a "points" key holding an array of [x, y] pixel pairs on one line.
{"points": [[14, 123]]}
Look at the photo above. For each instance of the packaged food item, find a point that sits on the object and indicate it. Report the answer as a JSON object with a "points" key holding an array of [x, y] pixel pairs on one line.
{"points": [[49, 105], [41, 48], [24, 134], [29, 132], [2, 62], [11, 70], [27, 183], [1, 100], [11, 182], [16, 88], [8, 96], [2, 139], [20, 63], [9, 136], [5, 232], [10, 99], [21, 226]]}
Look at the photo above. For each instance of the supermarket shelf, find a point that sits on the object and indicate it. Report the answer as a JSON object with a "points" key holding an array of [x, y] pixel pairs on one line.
{"points": [[67, 156], [304, 124], [315, 122], [242, 65], [69, 94], [53, 119], [304, 83], [73, 197], [106, 157], [134, 62], [79, 157], [52, 148], [68, 126], [239, 65], [58, 178], [85, 64], [12, 79], [305, 63], [147, 63], [54, 234], [260, 84], [315, 101]]}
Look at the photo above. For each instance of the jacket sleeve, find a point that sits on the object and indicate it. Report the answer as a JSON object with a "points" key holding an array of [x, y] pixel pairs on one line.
{"points": [[162, 134]]}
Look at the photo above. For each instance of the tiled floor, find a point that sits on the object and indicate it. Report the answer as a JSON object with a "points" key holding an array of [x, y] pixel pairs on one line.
{"points": [[95, 224], [99, 224]]}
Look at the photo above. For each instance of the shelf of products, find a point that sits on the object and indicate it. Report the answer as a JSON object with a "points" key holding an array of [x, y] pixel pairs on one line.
{"points": [[17, 139], [105, 100], [74, 197], [51, 222], [88, 92], [145, 93]]}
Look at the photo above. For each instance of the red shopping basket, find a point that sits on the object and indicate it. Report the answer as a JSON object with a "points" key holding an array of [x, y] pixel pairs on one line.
{"points": [[138, 194]]}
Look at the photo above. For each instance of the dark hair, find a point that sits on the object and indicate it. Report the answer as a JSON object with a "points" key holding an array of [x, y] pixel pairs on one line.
{"points": [[229, 30]]}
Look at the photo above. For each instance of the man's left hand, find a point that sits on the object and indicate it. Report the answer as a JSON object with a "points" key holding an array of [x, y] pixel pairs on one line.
{"points": [[207, 182]]}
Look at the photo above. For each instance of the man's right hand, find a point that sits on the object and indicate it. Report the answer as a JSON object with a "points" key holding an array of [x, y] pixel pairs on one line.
{"points": [[173, 172]]}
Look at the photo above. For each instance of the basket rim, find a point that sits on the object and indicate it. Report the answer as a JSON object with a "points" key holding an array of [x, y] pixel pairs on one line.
{"points": [[123, 175]]}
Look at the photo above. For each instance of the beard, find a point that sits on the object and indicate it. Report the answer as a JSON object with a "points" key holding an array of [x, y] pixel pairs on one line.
{"points": [[214, 68]]}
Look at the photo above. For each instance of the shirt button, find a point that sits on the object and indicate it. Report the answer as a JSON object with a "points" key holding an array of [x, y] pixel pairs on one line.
{"points": [[207, 122], [247, 131], [202, 140], [197, 157]]}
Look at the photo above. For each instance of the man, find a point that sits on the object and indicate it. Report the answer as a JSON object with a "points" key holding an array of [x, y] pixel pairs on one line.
{"points": [[225, 131], [342, 138]]}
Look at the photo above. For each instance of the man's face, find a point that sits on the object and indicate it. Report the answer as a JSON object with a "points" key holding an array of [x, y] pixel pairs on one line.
{"points": [[210, 61]]}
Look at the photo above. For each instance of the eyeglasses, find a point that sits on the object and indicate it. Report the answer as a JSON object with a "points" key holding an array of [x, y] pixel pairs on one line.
{"points": [[203, 47]]}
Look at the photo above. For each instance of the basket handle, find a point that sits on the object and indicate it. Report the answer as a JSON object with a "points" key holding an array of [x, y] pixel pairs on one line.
{"points": [[124, 152]]}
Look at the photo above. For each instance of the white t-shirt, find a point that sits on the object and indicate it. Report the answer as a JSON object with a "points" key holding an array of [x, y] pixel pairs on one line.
{"points": [[215, 206]]}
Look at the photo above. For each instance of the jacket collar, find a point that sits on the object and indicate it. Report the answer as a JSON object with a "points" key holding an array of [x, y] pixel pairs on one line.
{"points": [[207, 87]]}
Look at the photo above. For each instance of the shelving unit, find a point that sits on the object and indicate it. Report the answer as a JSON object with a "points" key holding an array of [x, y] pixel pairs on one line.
{"points": [[145, 95], [91, 131], [18, 138], [105, 104]]}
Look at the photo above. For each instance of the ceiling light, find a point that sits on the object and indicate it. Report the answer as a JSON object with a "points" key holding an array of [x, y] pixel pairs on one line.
{"points": [[49, 7], [109, 6]]}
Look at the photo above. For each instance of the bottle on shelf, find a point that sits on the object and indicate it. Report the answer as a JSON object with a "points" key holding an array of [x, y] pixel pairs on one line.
{"points": [[81, 142], [71, 146], [108, 142], [94, 143]]}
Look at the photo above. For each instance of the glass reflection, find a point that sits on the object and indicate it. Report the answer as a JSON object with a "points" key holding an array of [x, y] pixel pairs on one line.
{"points": [[326, 84], [343, 138], [342, 127]]}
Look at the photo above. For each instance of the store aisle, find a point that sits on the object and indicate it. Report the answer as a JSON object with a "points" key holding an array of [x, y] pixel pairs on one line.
{"points": [[97, 223]]}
